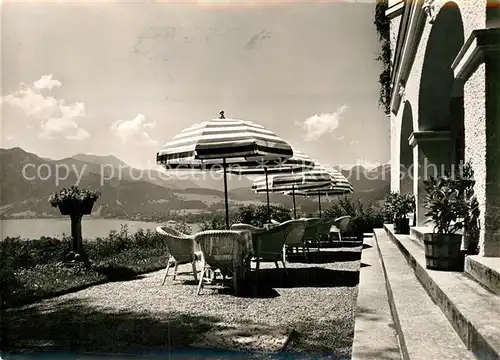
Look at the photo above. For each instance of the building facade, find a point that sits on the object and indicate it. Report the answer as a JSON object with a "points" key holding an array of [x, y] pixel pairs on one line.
{"points": [[445, 100]]}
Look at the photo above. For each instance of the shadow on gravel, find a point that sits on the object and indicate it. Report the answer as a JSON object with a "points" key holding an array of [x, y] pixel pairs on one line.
{"points": [[326, 257], [304, 277], [74, 326], [117, 273], [271, 279]]}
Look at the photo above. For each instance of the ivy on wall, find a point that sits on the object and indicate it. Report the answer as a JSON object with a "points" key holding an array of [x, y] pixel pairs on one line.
{"points": [[382, 24]]}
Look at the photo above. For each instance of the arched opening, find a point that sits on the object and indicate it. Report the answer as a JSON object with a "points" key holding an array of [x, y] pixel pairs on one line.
{"points": [[440, 104], [437, 83], [406, 152]]}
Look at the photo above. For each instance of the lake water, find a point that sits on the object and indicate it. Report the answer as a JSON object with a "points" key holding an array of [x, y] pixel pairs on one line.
{"points": [[91, 228]]}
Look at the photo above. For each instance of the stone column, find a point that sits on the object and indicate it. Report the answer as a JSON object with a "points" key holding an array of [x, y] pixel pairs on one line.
{"points": [[432, 156], [478, 64]]}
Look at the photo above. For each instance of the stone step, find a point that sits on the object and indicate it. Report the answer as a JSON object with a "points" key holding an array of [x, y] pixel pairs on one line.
{"points": [[485, 271], [374, 330], [472, 310], [418, 232], [423, 330]]}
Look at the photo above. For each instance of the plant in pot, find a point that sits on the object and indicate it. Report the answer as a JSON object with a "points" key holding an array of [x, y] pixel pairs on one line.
{"points": [[402, 205], [447, 209], [388, 207], [75, 202]]}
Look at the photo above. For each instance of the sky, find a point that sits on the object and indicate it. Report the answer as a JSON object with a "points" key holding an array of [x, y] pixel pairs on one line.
{"points": [[123, 78]]}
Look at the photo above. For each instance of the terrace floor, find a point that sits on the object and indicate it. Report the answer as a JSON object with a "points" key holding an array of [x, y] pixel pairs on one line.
{"points": [[317, 301]]}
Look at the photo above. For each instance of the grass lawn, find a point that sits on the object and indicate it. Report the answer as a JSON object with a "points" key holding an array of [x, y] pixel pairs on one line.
{"points": [[33, 269]]}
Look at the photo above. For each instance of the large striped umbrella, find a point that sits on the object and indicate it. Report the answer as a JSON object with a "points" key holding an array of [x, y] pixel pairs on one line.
{"points": [[224, 143], [319, 181], [298, 162]]}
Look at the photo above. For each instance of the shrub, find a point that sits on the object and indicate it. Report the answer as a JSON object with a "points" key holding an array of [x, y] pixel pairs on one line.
{"points": [[246, 214], [257, 215], [397, 206], [31, 269], [363, 218], [183, 227], [216, 222], [17, 253]]}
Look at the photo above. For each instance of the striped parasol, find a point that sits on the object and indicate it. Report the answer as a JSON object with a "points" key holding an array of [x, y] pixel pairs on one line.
{"points": [[235, 143], [221, 144], [339, 186], [298, 162], [319, 181]]}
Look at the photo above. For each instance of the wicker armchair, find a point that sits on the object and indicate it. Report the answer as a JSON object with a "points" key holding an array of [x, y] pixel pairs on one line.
{"points": [[220, 251], [241, 226], [295, 238], [311, 232], [340, 226], [181, 249], [269, 245], [323, 234]]}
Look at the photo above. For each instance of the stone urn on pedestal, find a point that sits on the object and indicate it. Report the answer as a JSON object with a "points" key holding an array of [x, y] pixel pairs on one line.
{"points": [[75, 202]]}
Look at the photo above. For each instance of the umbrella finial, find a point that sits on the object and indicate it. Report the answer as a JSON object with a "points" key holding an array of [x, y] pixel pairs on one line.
{"points": [[221, 113]]}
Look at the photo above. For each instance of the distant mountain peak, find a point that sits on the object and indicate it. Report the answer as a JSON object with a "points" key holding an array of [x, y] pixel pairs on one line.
{"points": [[101, 159]]}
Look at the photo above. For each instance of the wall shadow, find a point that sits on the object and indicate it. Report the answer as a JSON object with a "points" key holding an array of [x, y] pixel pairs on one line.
{"points": [[326, 257]]}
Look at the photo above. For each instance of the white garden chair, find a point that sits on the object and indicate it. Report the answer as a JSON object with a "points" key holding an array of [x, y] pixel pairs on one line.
{"points": [[181, 249], [340, 226]]}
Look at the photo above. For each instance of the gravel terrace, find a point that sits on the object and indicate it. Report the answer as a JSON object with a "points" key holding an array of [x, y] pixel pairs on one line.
{"points": [[318, 300]]}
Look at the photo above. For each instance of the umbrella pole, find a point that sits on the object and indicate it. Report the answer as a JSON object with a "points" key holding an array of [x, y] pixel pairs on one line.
{"points": [[225, 193], [294, 206], [267, 195], [319, 204]]}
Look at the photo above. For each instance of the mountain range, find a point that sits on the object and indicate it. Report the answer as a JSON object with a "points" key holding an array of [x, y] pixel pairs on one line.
{"points": [[142, 194]]}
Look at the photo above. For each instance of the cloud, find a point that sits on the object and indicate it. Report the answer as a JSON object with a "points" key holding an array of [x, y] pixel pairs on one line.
{"points": [[318, 125], [46, 82], [134, 130], [353, 142], [10, 137], [56, 118]]}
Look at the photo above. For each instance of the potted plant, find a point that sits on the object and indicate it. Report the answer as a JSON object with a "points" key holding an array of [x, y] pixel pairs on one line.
{"points": [[75, 202], [447, 209], [403, 204], [388, 209], [398, 206]]}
